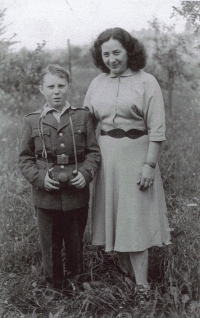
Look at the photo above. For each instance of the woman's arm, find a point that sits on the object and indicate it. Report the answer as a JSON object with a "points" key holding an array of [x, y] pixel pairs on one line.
{"points": [[148, 171], [154, 117], [93, 156], [153, 151]]}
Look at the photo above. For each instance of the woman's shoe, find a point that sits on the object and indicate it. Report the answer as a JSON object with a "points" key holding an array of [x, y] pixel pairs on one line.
{"points": [[143, 294]]}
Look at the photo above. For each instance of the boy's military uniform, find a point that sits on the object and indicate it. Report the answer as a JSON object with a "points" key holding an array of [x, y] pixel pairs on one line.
{"points": [[43, 133], [59, 146]]}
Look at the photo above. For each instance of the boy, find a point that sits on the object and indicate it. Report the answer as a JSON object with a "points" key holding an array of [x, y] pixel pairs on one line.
{"points": [[59, 156]]}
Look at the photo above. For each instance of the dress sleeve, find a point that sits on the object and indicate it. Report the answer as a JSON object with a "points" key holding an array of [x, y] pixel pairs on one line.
{"points": [[154, 112], [88, 97], [88, 104]]}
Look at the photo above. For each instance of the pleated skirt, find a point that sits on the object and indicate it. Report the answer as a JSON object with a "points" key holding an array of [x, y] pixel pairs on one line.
{"points": [[124, 218]]}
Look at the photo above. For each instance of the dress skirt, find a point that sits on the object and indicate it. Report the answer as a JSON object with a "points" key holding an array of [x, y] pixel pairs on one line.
{"points": [[124, 218]]}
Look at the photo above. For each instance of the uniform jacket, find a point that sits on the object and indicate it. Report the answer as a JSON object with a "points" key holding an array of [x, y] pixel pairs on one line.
{"points": [[58, 140]]}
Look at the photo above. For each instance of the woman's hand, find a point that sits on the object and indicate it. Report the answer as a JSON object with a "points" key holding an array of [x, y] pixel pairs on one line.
{"points": [[147, 177], [50, 184], [79, 180]]}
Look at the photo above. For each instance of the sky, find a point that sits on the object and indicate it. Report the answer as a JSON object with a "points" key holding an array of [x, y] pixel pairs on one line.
{"points": [[80, 21]]}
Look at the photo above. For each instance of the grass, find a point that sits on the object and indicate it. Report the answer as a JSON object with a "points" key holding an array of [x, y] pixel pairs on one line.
{"points": [[173, 270]]}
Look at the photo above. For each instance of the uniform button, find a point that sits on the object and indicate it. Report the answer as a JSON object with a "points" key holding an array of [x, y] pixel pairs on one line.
{"points": [[62, 167], [61, 134], [79, 132], [62, 145]]}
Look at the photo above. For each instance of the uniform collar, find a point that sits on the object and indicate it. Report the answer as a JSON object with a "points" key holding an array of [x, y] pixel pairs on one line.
{"points": [[47, 109], [126, 73]]}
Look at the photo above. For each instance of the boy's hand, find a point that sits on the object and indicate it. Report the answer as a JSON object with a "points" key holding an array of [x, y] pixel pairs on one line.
{"points": [[50, 184], [79, 180], [147, 177]]}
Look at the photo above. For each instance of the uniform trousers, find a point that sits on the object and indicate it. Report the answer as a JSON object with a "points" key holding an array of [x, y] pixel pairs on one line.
{"points": [[61, 231]]}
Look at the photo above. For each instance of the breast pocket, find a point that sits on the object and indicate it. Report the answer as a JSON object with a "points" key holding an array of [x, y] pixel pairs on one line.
{"points": [[38, 140], [80, 136]]}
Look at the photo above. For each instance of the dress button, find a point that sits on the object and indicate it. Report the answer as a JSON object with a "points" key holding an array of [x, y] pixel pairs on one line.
{"points": [[61, 134], [62, 145], [62, 167]]}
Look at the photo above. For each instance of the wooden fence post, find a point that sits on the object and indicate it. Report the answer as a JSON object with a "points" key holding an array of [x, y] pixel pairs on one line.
{"points": [[69, 59]]}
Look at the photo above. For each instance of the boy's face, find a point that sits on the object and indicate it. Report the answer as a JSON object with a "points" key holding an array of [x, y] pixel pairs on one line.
{"points": [[55, 90]]}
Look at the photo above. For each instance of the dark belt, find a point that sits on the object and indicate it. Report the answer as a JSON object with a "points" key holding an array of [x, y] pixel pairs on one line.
{"points": [[62, 159], [120, 133]]}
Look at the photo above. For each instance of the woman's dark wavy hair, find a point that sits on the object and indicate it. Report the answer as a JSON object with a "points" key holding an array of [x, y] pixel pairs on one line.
{"points": [[135, 50]]}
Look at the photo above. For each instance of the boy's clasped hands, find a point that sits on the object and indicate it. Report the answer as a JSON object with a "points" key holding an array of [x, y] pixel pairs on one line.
{"points": [[78, 181]]}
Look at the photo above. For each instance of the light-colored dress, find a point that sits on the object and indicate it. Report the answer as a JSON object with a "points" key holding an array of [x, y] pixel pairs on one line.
{"points": [[124, 218]]}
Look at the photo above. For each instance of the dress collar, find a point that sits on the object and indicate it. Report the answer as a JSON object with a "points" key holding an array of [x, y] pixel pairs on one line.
{"points": [[126, 73]]}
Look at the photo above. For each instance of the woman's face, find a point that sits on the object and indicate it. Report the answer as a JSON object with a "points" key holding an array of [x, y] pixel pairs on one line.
{"points": [[114, 56]]}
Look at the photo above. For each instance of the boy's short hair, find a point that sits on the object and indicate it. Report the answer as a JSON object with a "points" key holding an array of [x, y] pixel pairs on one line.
{"points": [[55, 69]]}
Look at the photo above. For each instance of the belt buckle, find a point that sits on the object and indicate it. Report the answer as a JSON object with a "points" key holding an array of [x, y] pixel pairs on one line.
{"points": [[62, 159], [131, 134], [119, 133]]}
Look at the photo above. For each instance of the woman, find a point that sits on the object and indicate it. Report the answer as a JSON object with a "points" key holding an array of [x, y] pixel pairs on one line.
{"points": [[129, 210]]}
